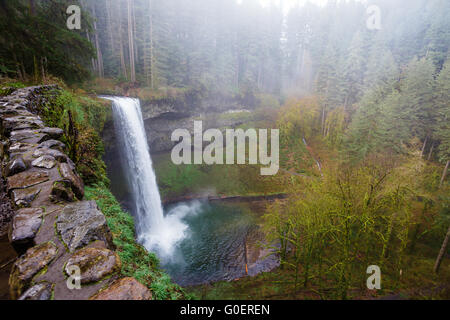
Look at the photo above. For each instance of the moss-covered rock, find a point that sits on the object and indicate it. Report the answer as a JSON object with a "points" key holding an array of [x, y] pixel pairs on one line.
{"points": [[27, 179], [24, 197], [15, 165], [61, 191], [45, 161], [25, 225], [94, 263], [72, 177], [40, 291], [29, 265], [137, 262], [81, 223], [124, 289]]}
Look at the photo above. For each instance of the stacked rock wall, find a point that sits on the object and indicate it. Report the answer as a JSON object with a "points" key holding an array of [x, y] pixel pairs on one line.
{"points": [[53, 230]]}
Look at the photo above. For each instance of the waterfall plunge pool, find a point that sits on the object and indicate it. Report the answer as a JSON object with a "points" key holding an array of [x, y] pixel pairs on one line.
{"points": [[220, 240], [197, 242]]}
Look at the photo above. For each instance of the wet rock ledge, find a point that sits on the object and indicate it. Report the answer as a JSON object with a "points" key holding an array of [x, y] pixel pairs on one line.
{"points": [[53, 230]]}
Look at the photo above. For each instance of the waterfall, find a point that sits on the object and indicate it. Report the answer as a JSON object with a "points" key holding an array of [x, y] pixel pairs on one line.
{"points": [[153, 230]]}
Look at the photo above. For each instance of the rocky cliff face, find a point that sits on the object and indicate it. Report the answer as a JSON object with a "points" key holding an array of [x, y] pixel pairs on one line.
{"points": [[53, 230], [6, 211], [161, 119]]}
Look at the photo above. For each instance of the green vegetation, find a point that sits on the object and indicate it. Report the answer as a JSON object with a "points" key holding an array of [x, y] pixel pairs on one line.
{"points": [[237, 116], [136, 261], [179, 180], [385, 209], [37, 43], [82, 118], [298, 122], [383, 196], [279, 285], [7, 87], [334, 228], [370, 107]]}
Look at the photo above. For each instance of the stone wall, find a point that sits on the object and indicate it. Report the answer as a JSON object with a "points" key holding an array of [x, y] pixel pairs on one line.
{"points": [[52, 229]]}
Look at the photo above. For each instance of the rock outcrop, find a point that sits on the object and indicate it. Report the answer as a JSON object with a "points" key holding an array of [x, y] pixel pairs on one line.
{"points": [[29, 265], [25, 225], [81, 223], [52, 229], [162, 116], [94, 263], [40, 291], [6, 210], [124, 289]]}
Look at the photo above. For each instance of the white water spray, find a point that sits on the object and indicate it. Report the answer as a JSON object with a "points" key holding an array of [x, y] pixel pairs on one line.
{"points": [[155, 232]]}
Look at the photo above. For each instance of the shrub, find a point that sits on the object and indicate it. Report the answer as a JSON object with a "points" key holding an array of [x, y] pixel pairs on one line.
{"points": [[136, 261]]}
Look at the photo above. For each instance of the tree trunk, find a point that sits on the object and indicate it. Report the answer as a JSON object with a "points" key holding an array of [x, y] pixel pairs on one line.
{"points": [[94, 68], [97, 45], [148, 51], [259, 81], [152, 65], [442, 251], [24, 72], [431, 151], [123, 67], [444, 174], [423, 147], [136, 48], [32, 7], [36, 70], [131, 43], [323, 121], [108, 17], [245, 256], [16, 62], [347, 97], [43, 68]]}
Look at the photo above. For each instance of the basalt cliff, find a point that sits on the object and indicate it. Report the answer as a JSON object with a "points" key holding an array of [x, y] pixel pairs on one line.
{"points": [[63, 243]]}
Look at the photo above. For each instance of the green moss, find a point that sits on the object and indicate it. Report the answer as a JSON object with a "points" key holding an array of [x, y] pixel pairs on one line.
{"points": [[136, 261], [242, 116], [89, 116], [417, 283], [179, 180], [7, 88]]}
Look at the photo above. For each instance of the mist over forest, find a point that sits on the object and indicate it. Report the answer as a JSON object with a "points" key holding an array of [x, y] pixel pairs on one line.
{"points": [[359, 91]]}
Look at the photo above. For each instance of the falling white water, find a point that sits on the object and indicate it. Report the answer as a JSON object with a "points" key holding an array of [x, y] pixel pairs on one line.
{"points": [[155, 232]]}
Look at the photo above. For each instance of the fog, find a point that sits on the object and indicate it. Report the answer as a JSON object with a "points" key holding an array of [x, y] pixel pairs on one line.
{"points": [[275, 47]]}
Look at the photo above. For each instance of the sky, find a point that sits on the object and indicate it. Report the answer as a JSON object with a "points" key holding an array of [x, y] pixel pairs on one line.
{"points": [[291, 3], [288, 4]]}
